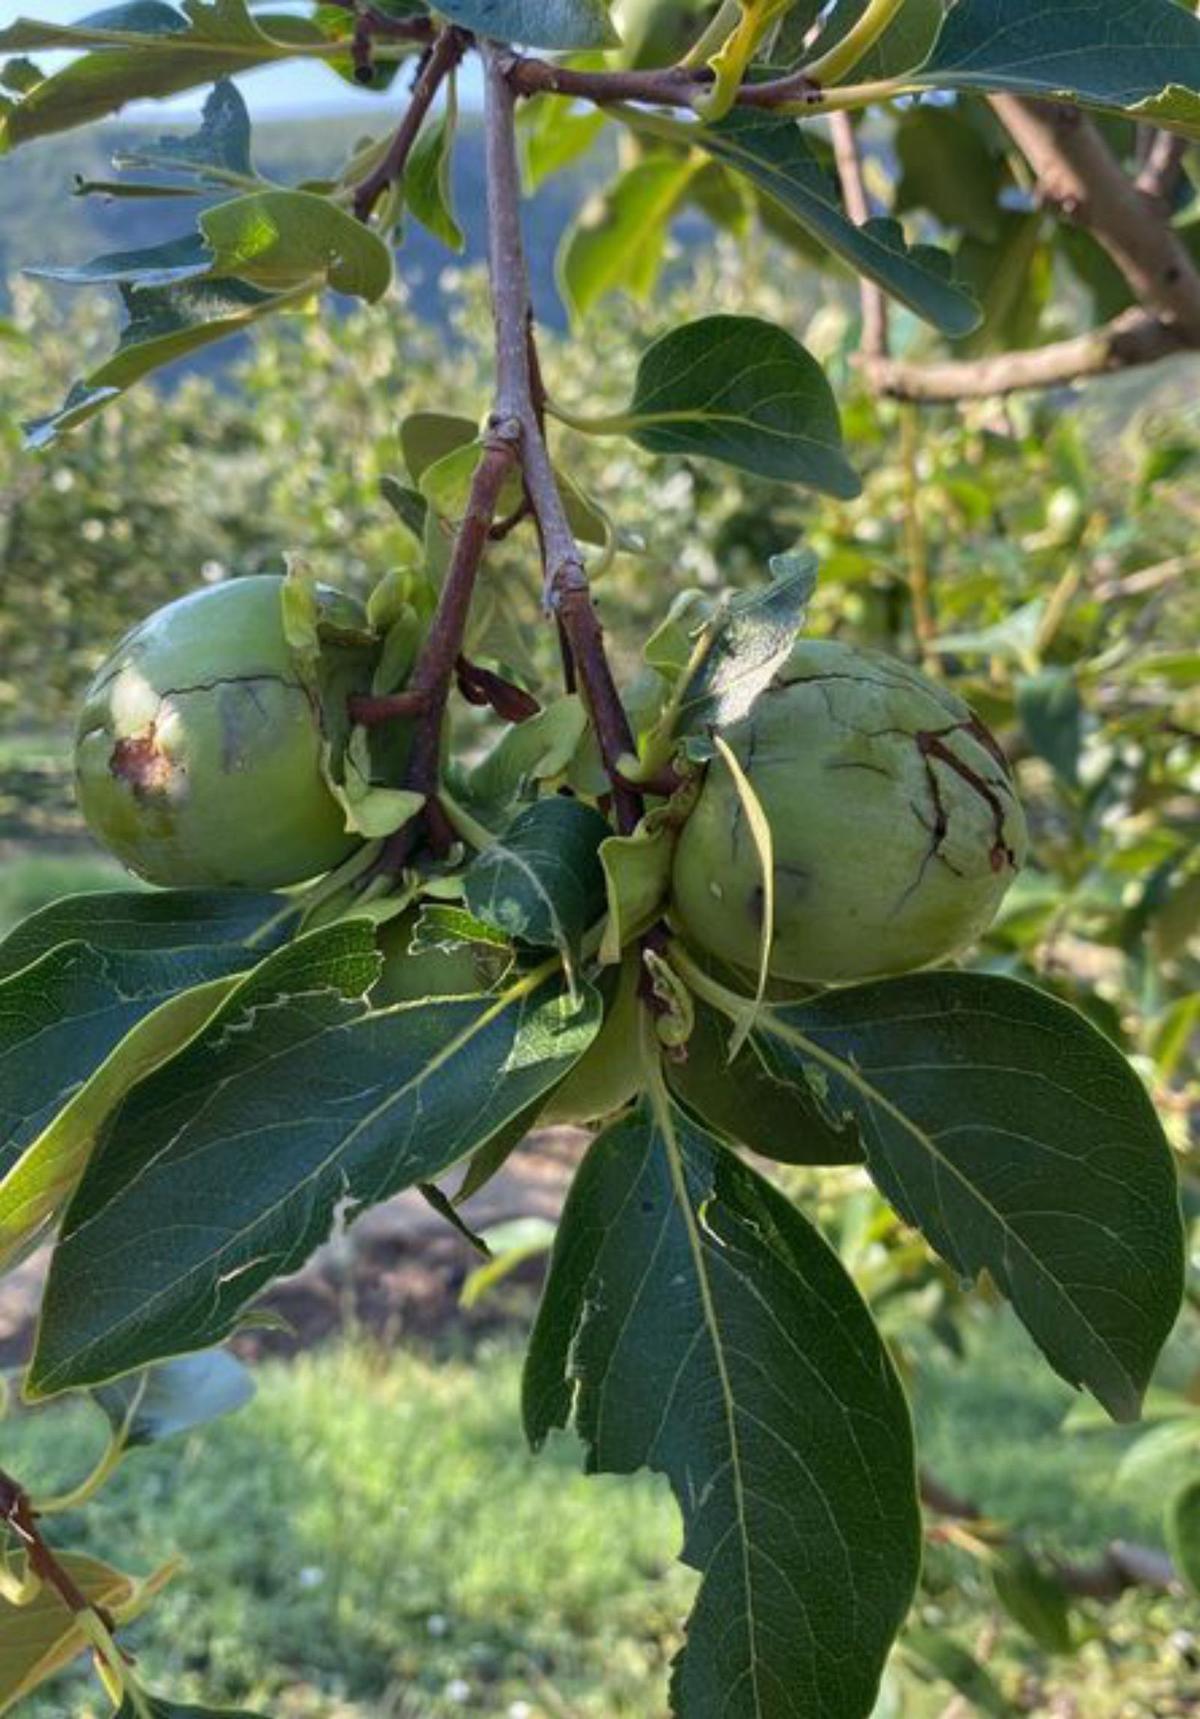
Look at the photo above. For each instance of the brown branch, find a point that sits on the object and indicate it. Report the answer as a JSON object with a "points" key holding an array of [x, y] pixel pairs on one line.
{"points": [[1132, 339], [567, 594], [1080, 177], [18, 1516], [1159, 175], [875, 329], [444, 55], [1120, 1566], [382, 25], [430, 684], [666, 86]]}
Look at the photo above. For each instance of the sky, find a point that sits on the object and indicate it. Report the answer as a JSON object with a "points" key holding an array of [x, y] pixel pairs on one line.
{"points": [[273, 93]]}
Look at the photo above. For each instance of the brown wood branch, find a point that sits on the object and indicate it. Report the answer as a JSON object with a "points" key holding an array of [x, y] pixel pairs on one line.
{"points": [[518, 395], [434, 673], [665, 86], [18, 1516], [875, 319], [1134, 338], [1159, 175], [443, 56], [1120, 1566], [1079, 176]]}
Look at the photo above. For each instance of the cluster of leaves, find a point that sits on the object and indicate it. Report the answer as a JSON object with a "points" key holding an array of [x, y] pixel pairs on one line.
{"points": [[694, 1320]]}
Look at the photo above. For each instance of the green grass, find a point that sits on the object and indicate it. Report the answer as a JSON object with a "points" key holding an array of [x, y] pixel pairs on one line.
{"points": [[370, 1539], [31, 881]]}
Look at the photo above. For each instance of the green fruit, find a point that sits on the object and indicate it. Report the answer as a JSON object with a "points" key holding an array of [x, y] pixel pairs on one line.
{"points": [[408, 976], [609, 1072], [894, 823], [198, 750]]}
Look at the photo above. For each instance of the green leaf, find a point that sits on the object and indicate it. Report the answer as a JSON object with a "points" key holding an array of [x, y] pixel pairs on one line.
{"points": [[144, 50], [35, 1185], [165, 323], [283, 240], [905, 42], [428, 188], [772, 152], [542, 882], [1138, 56], [694, 1323], [938, 1657], [750, 638], [759, 1100], [968, 198], [617, 241], [538, 750], [64, 1014], [1183, 1533], [1051, 713], [637, 878], [296, 1104], [39, 1639], [220, 147], [169, 921], [737, 389], [537, 23], [176, 1396], [181, 259], [555, 132], [1033, 1598], [1020, 1142]]}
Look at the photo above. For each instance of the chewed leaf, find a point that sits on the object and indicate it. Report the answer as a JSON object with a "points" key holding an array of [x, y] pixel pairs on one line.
{"points": [[695, 1324], [542, 883], [174, 1229]]}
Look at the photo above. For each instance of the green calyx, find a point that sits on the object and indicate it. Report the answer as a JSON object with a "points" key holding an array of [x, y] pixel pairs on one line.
{"points": [[895, 826]]}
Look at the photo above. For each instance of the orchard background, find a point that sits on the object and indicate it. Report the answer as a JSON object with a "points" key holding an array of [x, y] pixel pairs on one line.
{"points": [[1037, 548]]}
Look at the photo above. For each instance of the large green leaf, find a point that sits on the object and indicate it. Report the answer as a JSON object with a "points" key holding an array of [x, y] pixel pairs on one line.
{"points": [[95, 990], [1140, 56], [537, 23], [772, 151], [227, 1167], [283, 240], [144, 49], [617, 241], [737, 389], [174, 922], [696, 1324], [1021, 1143], [40, 1162]]}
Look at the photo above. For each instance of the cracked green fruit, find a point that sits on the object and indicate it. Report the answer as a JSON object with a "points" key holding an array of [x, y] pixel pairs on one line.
{"points": [[609, 1072], [894, 822], [198, 754]]}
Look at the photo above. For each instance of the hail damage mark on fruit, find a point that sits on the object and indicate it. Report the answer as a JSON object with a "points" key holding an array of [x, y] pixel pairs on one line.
{"points": [[140, 762]]}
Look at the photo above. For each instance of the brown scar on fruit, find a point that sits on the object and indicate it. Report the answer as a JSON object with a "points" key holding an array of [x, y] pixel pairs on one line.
{"points": [[931, 744], [140, 762]]}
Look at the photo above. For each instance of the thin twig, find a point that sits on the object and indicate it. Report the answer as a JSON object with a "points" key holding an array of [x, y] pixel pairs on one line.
{"points": [[875, 331], [1120, 1566], [679, 86], [444, 55], [567, 594], [17, 1515]]}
